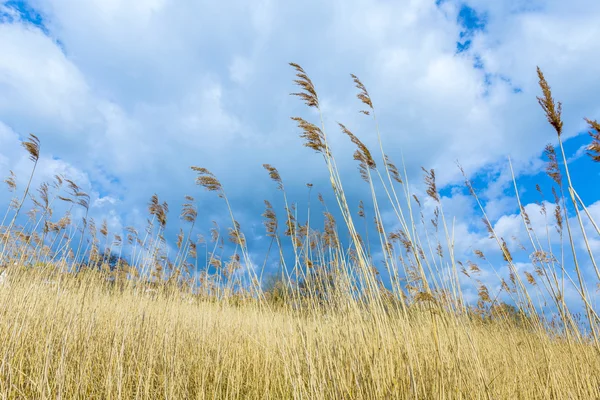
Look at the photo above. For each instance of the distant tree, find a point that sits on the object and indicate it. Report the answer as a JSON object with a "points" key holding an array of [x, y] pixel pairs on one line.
{"points": [[509, 312], [276, 290], [112, 263]]}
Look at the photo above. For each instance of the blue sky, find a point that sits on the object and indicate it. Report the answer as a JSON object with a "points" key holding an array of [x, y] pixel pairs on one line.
{"points": [[126, 96]]}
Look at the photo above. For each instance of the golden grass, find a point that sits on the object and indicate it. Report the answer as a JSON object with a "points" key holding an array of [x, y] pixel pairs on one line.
{"points": [[74, 324], [67, 339]]}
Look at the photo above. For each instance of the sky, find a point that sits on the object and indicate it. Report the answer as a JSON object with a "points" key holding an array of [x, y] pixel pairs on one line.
{"points": [[125, 96]]}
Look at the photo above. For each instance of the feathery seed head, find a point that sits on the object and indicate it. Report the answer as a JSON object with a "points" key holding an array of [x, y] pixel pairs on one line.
{"points": [[308, 93], [362, 154], [179, 239], [431, 186], [551, 109], [104, 228], [270, 220], [363, 94], [214, 232], [361, 209], [594, 147], [274, 174], [11, 182], [505, 252], [392, 169], [188, 211], [530, 278], [33, 147], [417, 200], [315, 139], [488, 226], [207, 180], [552, 168]]}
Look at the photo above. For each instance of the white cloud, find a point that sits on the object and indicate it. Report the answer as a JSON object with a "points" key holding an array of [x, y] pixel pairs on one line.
{"points": [[154, 74], [133, 93], [38, 80]]}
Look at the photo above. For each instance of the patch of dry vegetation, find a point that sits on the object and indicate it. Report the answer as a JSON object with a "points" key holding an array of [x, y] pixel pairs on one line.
{"points": [[72, 340], [89, 314]]}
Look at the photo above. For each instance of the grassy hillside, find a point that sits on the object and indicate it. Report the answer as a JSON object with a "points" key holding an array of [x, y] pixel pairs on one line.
{"points": [[85, 313]]}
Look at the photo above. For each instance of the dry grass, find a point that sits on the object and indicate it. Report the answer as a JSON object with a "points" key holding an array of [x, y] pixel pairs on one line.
{"points": [[78, 323], [69, 340]]}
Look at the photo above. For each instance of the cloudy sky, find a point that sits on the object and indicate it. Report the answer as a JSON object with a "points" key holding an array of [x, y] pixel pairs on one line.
{"points": [[127, 95]]}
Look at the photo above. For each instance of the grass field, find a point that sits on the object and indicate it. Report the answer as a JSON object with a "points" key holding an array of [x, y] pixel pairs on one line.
{"points": [[76, 321]]}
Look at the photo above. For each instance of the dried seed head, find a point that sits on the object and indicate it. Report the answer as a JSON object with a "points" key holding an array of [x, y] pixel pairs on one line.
{"points": [[530, 278], [557, 212], [270, 220], [214, 232], [330, 235], [92, 227], [192, 251], [188, 210], [436, 218], [505, 252], [73, 187], [104, 228], [594, 147], [290, 223], [131, 231], [552, 168], [417, 200], [551, 109], [274, 174], [308, 93], [58, 181], [489, 228], [541, 256], [33, 147], [158, 210], [232, 265], [526, 218], [64, 221], [431, 186], [235, 234], [484, 294], [362, 95], [362, 154], [215, 261], [473, 267], [479, 254], [361, 209], [378, 225], [83, 199], [11, 182], [404, 239], [179, 239], [207, 180], [392, 169], [394, 236], [43, 192], [315, 139]]}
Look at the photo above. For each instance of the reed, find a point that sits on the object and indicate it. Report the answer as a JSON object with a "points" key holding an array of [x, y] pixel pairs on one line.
{"points": [[89, 313]]}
